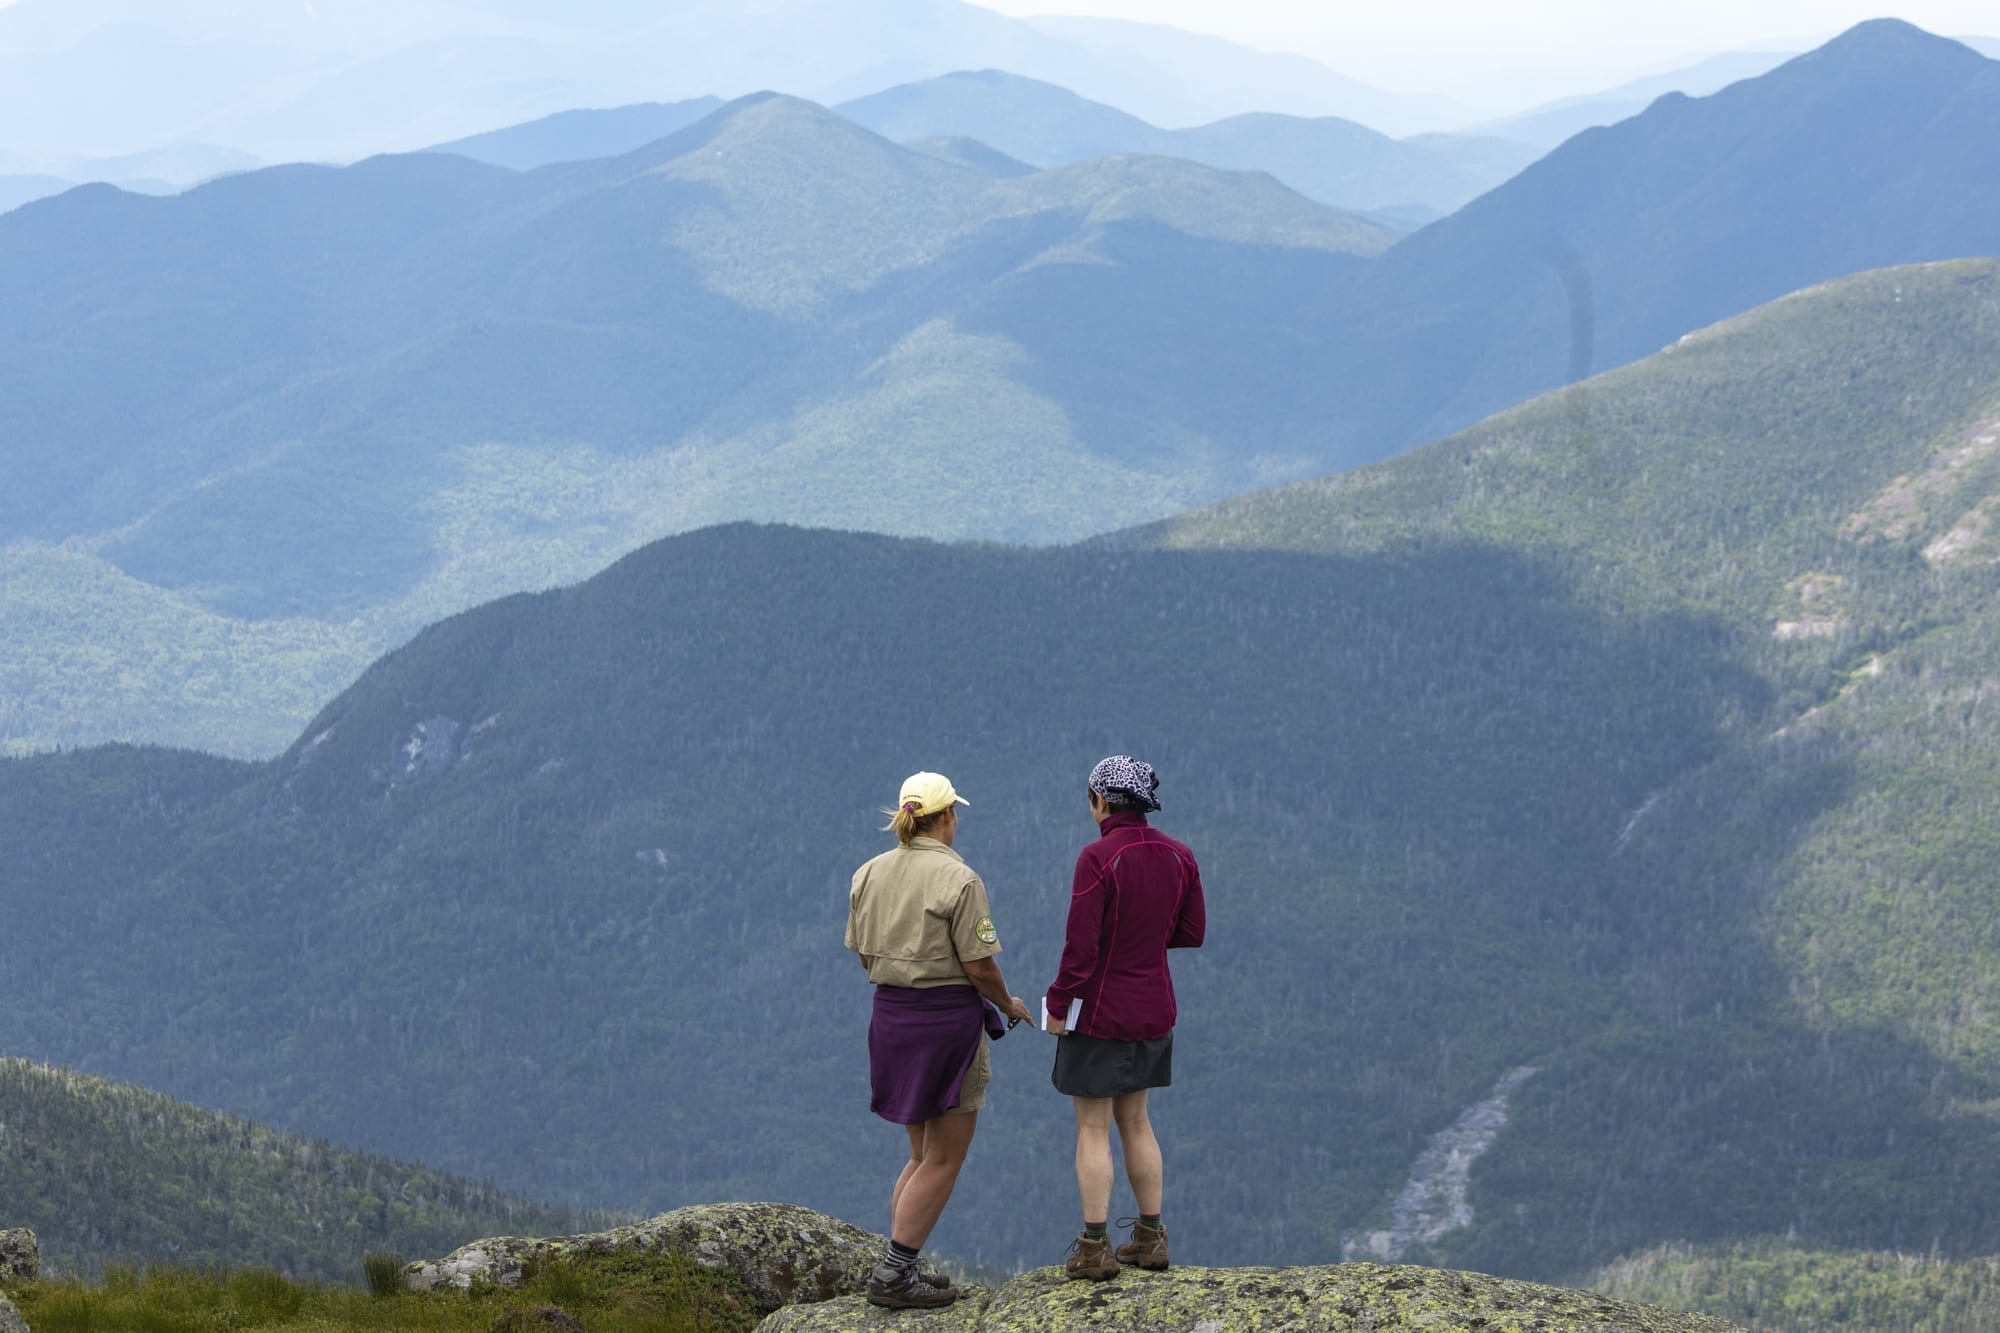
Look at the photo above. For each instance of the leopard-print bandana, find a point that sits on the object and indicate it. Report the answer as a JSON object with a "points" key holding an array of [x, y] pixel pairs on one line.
{"points": [[1126, 776]]}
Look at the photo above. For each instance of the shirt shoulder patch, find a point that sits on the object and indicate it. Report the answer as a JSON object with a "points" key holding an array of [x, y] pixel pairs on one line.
{"points": [[985, 931]]}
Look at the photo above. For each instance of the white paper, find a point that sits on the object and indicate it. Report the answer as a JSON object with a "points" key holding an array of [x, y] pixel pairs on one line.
{"points": [[1075, 1012]]}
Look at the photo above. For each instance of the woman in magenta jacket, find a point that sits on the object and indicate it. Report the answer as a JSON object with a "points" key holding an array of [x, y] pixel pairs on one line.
{"points": [[1136, 894]]}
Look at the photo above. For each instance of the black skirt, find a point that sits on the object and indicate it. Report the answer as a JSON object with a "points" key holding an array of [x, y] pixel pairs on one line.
{"points": [[1094, 1067]]}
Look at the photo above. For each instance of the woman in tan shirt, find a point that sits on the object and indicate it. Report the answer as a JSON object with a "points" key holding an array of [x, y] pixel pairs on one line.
{"points": [[918, 918]]}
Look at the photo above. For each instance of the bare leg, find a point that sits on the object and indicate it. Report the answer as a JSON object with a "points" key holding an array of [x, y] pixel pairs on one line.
{"points": [[1142, 1151], [1093, 1157], [923, 1196], [909, 1169]]}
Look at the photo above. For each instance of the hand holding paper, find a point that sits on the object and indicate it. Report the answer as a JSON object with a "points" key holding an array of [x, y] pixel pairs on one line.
{"points": [[1067, 1022]]}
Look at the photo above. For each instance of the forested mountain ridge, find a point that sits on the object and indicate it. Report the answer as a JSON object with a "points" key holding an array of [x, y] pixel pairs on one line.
{"points": [[1606, 740], [475, 381], [107, 1173], [1857, 568]]}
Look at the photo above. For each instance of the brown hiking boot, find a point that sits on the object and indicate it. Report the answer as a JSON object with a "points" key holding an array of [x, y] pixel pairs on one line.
{"points": [[1147, 1249], [908, 1289], [1091, 1257]]}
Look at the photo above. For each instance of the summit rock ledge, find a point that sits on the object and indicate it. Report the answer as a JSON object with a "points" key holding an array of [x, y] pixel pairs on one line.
{"points": [[806, 1271], [1337, 1298]]}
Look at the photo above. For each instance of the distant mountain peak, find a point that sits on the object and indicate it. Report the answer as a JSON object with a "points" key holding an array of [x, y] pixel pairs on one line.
{"points": [[1878, 40], [755, 117], [767, 113], [1886, 29]]}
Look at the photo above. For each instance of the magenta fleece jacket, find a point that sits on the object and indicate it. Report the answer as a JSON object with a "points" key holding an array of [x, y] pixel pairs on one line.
{"points": [[1137, 894]]}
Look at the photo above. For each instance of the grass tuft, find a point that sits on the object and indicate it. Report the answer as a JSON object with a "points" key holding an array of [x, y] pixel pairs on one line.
{"points": [[383, 1271]]}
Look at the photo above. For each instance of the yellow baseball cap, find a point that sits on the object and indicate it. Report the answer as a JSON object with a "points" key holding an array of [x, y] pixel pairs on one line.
{"points": [[931, 791]]}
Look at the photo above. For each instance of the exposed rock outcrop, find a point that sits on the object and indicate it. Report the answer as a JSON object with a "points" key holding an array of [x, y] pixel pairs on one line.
{"points": [[10, 1318], [782, 1253], [1332, 1299], [20, 1257], [1436, 1200]]}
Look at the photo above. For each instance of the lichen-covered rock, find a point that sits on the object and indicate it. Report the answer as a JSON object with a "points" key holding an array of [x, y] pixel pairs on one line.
{"points": [[853, 1314], [10, 1318], [781, 1252], [1364, 1298], [20, 1257]]}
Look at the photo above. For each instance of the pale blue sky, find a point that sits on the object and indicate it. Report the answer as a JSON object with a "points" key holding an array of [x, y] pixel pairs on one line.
{"points": [[1485, 50]]}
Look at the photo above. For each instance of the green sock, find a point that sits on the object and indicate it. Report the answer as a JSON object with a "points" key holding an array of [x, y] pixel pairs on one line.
{"points": [[1151, 1219], [1096, 1230]]}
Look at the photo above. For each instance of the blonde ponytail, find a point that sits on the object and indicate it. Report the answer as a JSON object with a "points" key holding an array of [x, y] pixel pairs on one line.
{"points": [[907, 824]]}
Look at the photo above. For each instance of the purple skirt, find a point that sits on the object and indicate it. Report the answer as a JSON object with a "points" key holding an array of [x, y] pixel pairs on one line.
{"points": [[921, 1044]]}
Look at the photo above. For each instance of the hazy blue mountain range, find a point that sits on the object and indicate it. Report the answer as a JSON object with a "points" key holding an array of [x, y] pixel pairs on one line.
{"points": [[339, 81], [1334, 161], [424, 381], [1632, 737], [732, 288], [102, 1172]]}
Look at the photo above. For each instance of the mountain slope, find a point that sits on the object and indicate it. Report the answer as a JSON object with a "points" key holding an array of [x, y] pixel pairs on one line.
{"points": [[71, 673], [1607, 741], [1783, 1289], [1856, 562], [1546, 126], [103, 1172], [972, 155]]}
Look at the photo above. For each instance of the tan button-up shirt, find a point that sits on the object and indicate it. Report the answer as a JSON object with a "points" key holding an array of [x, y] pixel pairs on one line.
{"points": [[918, 914]]}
